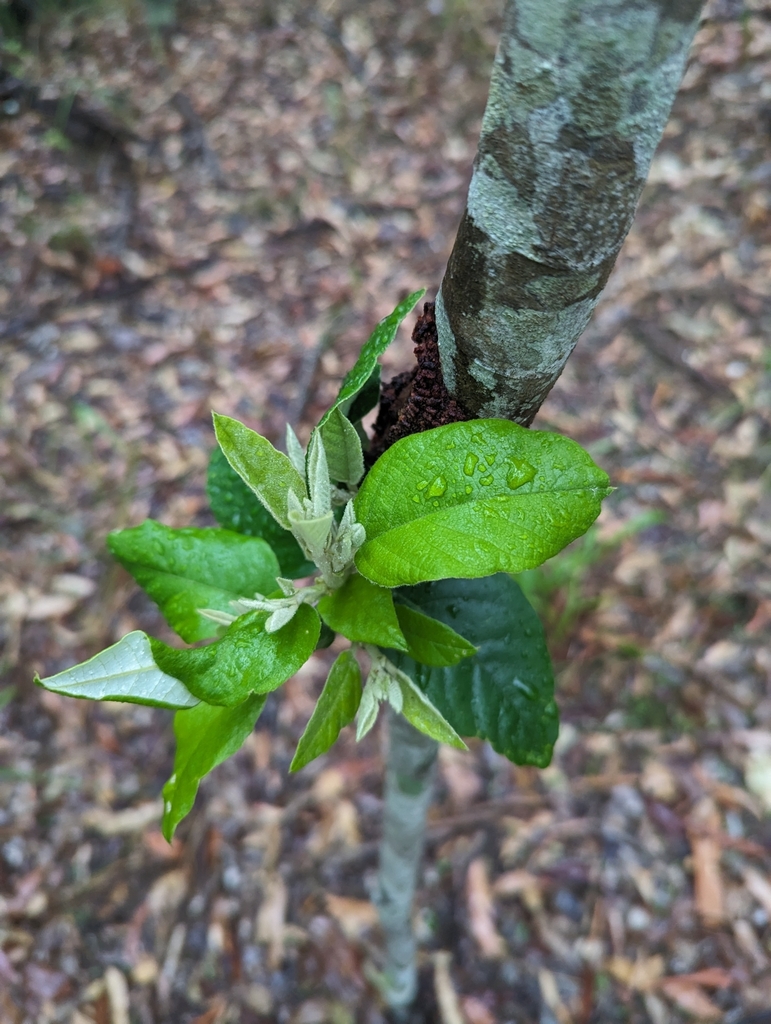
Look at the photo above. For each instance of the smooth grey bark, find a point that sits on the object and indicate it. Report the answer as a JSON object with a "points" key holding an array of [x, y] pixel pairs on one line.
{"points": [[409, 779], [580, 93]]}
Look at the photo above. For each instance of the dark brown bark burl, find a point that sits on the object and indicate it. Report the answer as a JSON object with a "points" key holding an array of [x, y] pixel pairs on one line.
{"points": [[417, 399]]}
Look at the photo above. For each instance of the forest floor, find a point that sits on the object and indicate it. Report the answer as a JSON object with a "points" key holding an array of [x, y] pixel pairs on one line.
{"points": [[218, 222]]}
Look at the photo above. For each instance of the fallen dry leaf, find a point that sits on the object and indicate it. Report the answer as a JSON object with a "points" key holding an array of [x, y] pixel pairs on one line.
{"points": [[481, 911], [642, 974], [271, 918], [691, 998], [355, 917], [446, 996], [709, 892]]}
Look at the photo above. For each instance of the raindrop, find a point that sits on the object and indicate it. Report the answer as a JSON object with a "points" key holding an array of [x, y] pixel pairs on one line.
{"points": [[470, 464], [520, 472], [469, 488], [490, 458], [422, 485], [416, 498], [435, 504], [485, 481], [437, 488]]}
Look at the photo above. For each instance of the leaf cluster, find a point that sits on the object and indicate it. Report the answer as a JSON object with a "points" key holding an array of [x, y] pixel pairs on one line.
{"points": [[411, 565]]}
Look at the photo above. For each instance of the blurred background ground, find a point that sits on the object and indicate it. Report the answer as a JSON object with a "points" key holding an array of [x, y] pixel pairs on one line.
{"points": [[212, 208]]}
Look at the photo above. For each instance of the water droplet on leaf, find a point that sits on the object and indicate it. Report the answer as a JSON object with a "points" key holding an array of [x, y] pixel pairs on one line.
{"points": [[470, 464], [485, 481], [422, 485], [437, 488], [520, 472], [469, 488]]}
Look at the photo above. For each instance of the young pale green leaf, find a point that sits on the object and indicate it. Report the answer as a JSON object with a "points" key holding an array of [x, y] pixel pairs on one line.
{"points": [[430, 641], [206, 736], [268, 472], [472, 499], [505, 692], [317, 472], [236, 508], [188, 569], [343, 448], [363, 613], [336, 708], [246, 660], [360, 375], [128, 672], [419, 711]]}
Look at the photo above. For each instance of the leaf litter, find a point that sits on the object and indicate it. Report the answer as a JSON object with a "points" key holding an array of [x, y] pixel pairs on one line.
{"points": [[260, 185]]}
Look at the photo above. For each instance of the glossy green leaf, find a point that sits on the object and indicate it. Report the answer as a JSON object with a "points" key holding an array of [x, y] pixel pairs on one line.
{"points": [[235, 507], [268, 472], [206, 736], [360, 375], [128, 672], [471, 499], [366, 400], [430, 641], [336, 708], [505, 692], [246, 660], [343, 447], [188, 569], [364, 613]]}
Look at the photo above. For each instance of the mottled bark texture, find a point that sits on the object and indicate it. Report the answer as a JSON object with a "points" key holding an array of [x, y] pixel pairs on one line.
{"points": [[409, 779], [580, 93]]}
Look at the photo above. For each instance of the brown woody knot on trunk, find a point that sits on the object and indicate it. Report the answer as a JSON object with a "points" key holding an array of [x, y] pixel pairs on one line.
{"points": [[417, 399]]}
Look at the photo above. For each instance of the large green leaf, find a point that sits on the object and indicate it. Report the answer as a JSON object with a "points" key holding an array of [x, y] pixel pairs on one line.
{"points": [[246, 660], [505, 692], [268, 472], [188, 569], [235, 507], [128, 672], [206, 736], [360, 375], [471, 499], [430, 641], [364, 613], [336, 708]]}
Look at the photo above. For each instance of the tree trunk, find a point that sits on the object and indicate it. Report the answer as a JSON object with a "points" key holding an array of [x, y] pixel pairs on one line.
{"points": [[408, 789], [580, 93]]}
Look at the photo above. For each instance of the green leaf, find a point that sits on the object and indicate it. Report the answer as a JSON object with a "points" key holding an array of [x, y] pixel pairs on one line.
{"points": [[343, 448], [268, 472], [364, 613], [236, 508], [420, 711], [246, 660], [430, 641], [505, 692], [471, 499], [336, 708], [367, 398], [128, 672], [188, 569], [206, 736], [360, 375]]}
